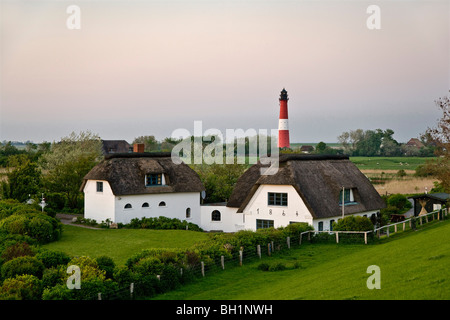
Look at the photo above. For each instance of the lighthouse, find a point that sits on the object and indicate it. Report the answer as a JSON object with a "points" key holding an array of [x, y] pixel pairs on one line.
{"points": [[283, 128]]}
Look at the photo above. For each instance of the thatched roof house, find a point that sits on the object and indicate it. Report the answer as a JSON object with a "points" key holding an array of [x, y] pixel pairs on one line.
{"points": [[115, 146], [126, 173], [318, 180]]}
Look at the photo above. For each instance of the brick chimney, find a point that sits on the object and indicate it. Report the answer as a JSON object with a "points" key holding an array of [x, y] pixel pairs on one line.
{"points": [[138, 147]]}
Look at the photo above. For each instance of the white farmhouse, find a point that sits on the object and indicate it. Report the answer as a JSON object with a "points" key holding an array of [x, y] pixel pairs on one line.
{"points": [[314, 189], [135, 185], [307, 188]]}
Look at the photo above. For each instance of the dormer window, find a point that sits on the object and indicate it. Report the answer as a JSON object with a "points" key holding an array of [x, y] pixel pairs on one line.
{"points": [[154, 179], [347, 196]]}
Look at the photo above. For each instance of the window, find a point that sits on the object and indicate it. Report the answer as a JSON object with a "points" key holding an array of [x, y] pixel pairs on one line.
{"points": [[128, 206], [145, 205], [277, 199], [348, 197], [321, 226], [162, 204], [188, 213], [99, 186], [153, 180], [215, 215], [331, 225], [264, 224]]}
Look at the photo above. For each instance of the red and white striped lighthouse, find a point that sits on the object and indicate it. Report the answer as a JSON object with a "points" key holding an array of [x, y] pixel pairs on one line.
{"points": [[283, 127]]}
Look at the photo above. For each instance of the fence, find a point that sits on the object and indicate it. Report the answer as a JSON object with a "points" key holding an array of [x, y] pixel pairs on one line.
{"points": [[136, 289]]}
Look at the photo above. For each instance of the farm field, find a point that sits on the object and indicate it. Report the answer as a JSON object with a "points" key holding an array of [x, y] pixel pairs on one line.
{"points": [[120, 244], [389, 163], [413, 266]]}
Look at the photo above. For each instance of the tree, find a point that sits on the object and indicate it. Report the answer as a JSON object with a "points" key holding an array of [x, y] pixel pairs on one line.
{"points": [[69, 161], [440, 135], [23, 181]]}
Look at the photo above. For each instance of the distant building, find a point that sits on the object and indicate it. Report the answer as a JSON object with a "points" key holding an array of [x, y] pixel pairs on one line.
{"points": [[306, 149], [414, 142], [115, 146]]}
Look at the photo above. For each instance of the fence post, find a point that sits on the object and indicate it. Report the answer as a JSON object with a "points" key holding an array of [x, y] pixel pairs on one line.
{"points": [[365, 237], [337, 237], [404, 226], [203, 268], [309, 236], [258, 250], [268, 249], [240, 256], [222, 262], [288, 240], [387, 231], [131, 290], [300, 239], [395, 228], [99, 296]]}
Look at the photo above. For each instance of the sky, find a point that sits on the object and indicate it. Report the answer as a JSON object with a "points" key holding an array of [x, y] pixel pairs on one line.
{"points": [[137, 68]]}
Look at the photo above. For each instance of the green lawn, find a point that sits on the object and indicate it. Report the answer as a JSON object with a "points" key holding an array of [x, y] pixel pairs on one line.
{"points": [[414, 265], [120, 244], [389, 163]]}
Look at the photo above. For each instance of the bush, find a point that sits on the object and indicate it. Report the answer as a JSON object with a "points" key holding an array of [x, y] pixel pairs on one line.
{"points": [[52, 277], [106, 264], [36, 225], [399, 201], [58, 292], [17, 249], [21, 287], [52, 258], [353, 223], [263, 266], [22, 265]]}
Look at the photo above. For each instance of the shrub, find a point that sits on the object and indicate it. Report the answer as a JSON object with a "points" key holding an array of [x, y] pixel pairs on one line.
{"points": [[17, 249], [106, 264], [263, 266], [353, 223], [58, 292], [52, 277], [22, 265], [88, 267], [399, 201], [21, 287], [277, 267], [52, 258]]}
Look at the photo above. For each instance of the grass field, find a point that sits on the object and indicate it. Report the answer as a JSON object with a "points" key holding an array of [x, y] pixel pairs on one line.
{"points": [[388, 163], [120, 244], [413, 266]]}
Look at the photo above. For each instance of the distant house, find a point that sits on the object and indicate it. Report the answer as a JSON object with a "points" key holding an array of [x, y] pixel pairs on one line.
{"points": [[115, 146], [413, 142], [307, 188], [135, 185], [306, 149], [428, 202]]}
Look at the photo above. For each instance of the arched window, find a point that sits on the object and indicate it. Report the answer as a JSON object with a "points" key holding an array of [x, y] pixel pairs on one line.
{"points": [[162, 204], [215, 215], [145, 205], [128, 206], [321, 226], [188, 213]]}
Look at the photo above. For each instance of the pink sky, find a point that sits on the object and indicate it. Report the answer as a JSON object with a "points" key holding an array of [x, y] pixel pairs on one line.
{"points": [[150, 67]]}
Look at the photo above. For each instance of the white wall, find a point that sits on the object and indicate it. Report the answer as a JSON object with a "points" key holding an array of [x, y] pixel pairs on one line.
{"points": [[105, 205], [326, 221], [230, 221], [258, 208], [98, 205], [176, 205]]}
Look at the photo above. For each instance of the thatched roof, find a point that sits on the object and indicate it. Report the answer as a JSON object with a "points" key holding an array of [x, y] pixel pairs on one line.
{"points": [[115, 146], [126, 174], [318, 179]]}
